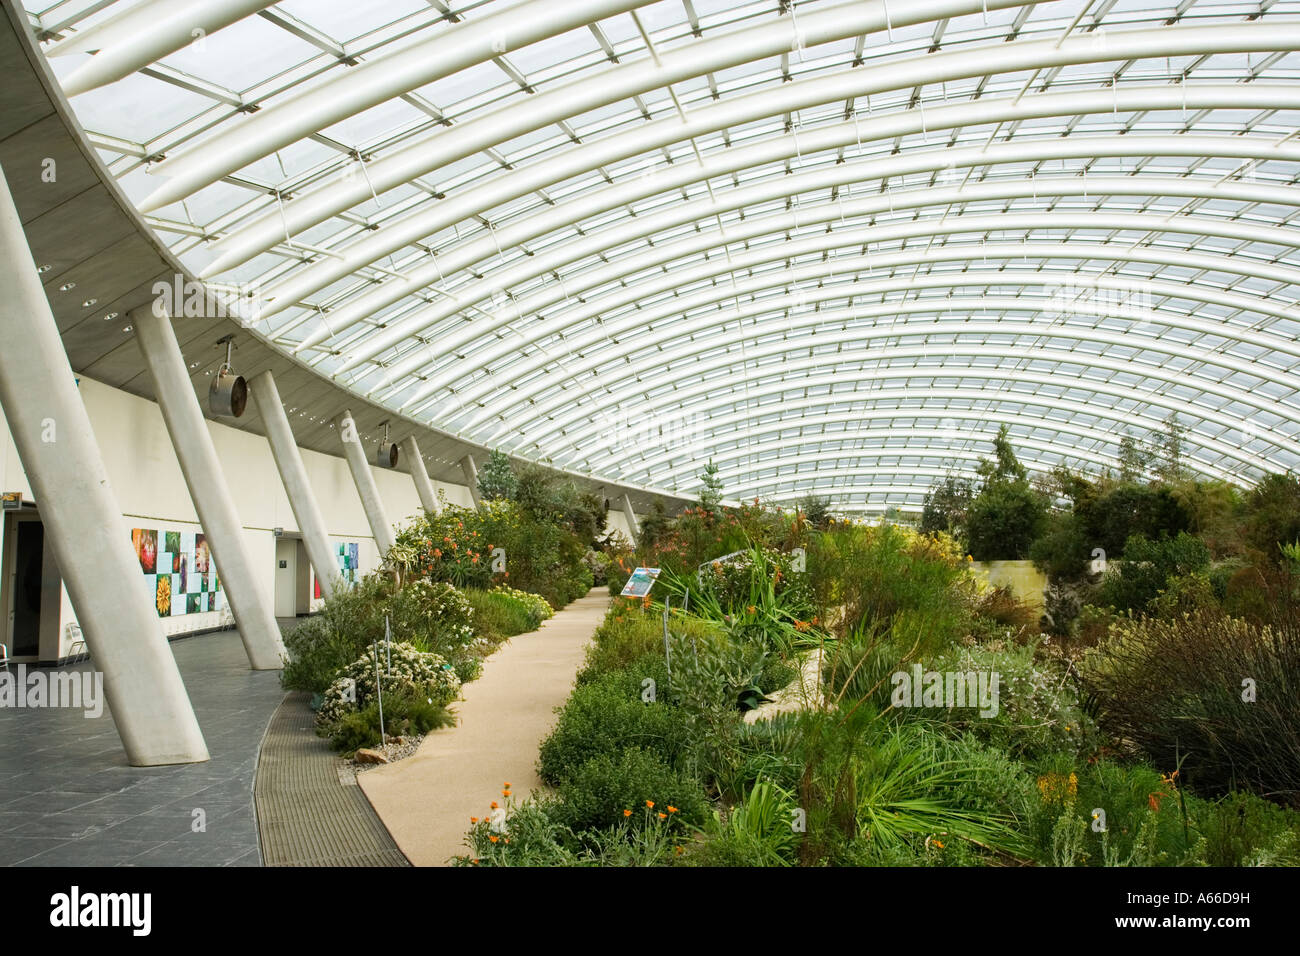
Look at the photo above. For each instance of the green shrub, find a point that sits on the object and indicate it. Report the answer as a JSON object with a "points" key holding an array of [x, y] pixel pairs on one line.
{"points": [[1241, 829], [1273, 515], [606, 717], [878, 579], [350, 621], [500, 614], [1134, 583], [1039, 710], [596, 793], [630, 633], [434, 617], [404, 714], [1218, 692], [529, 837]]}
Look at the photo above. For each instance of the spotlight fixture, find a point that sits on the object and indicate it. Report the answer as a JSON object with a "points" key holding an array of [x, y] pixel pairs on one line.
{"points": [[228, 393], [387, 454]]}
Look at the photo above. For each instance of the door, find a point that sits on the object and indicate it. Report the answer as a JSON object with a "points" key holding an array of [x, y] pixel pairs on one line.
{"points": [[302, 602], [23, 636], [286, 577]]}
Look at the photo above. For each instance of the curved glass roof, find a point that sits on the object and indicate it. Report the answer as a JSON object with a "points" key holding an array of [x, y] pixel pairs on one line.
{"points": [[830, 245]]}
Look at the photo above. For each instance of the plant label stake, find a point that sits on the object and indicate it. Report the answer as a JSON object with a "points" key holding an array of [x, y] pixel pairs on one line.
{"points": [[379, 690], [388, 643], [668, 656]]}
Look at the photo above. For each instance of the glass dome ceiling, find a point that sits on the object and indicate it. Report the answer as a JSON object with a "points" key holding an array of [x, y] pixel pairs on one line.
{"points": [[830, 245]]}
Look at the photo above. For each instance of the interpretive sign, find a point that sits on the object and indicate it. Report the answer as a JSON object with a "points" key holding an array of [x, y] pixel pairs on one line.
{"points": [[640, 583]]}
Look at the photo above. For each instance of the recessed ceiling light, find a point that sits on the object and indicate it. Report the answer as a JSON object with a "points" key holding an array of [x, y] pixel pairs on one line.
{"points": [[88, 303], [127, 328], [111, 316], [67, 287], [41, 270]]}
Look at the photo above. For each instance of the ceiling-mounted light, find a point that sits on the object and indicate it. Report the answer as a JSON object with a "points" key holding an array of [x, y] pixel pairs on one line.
{"points": [[228, 393], [67, 287], [41, 270], [387, 454], [111, 316]]}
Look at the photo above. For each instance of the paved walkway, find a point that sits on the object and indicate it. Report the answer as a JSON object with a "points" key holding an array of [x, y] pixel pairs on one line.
{"points": [[306, 813], [426, 800], [69, 798]]}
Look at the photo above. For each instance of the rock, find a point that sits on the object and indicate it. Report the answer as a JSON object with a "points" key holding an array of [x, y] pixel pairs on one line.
{"points": [[366, 755]]}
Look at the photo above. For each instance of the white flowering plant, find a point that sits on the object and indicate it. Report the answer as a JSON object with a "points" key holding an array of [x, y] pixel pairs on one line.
{"points": [[432, 614], [404, 670]]}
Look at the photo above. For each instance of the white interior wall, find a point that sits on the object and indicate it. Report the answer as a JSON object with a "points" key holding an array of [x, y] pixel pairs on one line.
{"points": [[147, 480]]}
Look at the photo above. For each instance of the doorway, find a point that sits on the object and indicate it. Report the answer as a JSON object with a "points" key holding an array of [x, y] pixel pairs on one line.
{"points": [[292, 577], [23, 580]]}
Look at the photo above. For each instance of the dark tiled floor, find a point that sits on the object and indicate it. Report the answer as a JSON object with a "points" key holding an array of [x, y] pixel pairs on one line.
{"points": [[68, 797]]}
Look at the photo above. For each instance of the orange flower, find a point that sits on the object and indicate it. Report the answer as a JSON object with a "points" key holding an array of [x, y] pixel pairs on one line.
{"points": [[678, 850], [505, 793], [506, 784], [473, 819], [939, 844], [627, 813], [494, 839], [437, 552], [494, 804], [663, 816], [672, 809], [650, 804]]}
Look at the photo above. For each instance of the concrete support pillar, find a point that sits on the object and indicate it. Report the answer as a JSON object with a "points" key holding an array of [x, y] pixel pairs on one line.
{"points": [[83, 521], [470, 470], [420, 475], [632, 529], [355, 453], [201, 467], [288, 459]]}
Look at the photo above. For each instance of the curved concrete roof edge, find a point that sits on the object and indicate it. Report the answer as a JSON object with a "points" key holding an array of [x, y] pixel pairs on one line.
{"points": [[114, 365]]}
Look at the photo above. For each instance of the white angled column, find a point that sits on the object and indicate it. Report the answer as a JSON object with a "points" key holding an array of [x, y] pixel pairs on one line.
{"points": [[420, 475], [633, 531], [470, 471], [288, 459], [355, 453], [207, 483], [83, 521]]}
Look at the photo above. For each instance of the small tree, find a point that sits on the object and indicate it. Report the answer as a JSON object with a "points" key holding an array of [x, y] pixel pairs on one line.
{"points": [[946, 506], [653, 526], [1169, 450], [817, 509], [1007, 515], [497, 479], [711, 492], [1134, 459]]}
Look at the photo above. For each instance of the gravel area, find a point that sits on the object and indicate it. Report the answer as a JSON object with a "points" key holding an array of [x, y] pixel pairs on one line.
{"points": [[397, 748]]}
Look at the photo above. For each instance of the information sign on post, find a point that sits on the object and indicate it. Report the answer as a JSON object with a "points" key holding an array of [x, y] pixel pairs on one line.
{"points": [[640, 583]]}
